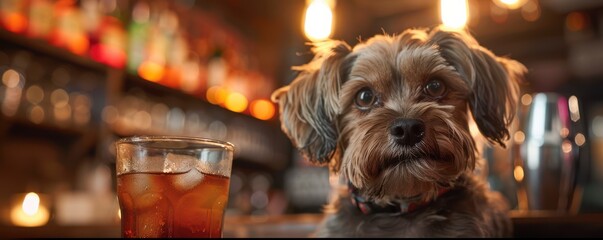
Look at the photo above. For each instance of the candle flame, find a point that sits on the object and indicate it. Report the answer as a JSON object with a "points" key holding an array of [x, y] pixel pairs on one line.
{"points": [[31, 212], [31, 204]]}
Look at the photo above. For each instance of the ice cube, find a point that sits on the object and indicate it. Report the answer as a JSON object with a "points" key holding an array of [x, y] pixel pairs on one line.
{"points": [[175, 163], [147, 163], [135, 184], [136, 160], [215, 161], [187, 181], [193, 215], [150, 200], [154, 215]]}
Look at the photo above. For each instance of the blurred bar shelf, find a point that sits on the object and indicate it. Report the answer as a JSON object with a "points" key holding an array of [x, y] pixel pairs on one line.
{"points": [[262, 141], [42, 46], [66, 129]]}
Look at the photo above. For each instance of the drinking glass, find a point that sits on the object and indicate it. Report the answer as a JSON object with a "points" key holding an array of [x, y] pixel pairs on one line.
{"points": [[170, 186]]}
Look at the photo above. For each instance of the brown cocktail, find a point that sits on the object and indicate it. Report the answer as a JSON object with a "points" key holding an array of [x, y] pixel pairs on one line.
{"points": [[172, 187]]}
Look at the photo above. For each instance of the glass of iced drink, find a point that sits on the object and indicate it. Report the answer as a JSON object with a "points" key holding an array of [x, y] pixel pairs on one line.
{"points": [[172, 186]]}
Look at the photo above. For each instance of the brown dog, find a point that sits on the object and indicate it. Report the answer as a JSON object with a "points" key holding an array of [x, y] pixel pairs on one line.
{"points": [[390, 116]]}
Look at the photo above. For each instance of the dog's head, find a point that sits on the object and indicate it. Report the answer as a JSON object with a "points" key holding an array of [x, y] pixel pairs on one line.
{"points": [[392, 113]]}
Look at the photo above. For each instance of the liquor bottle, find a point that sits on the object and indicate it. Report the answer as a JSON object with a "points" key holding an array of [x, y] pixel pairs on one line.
{"points": [[138, 32], [13, 15], [41, 19], [108, 36], [69, 31]]}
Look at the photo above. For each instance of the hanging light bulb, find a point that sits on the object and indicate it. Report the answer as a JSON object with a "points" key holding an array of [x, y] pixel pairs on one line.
{"points": [[510, 4], [454, 13], [318, 19]]}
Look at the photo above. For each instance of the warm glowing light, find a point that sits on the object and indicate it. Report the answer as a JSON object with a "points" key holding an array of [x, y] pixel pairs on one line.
{"points": [[12, 94], [574, 109], [454, 13], [262, 109], [15, 22], [236, 102], [59, 98], [34, 94], [318, 20], [11, 78], [78, 44], [151, 71], [519, 137], [518, 173], [30, 213], [511, 4], [575, 21], [566, 146], [216, 95], [580, 139], [564, 132], [31, 203], [526, 99], [36, 114], [530, 11], [62, 113]]}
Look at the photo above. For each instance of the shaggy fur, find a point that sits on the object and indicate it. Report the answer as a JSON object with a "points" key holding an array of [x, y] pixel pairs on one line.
{"points": [[320, 115]]}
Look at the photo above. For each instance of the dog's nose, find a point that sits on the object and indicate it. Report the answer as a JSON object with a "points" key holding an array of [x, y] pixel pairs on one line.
{"points": [[407, 132]]}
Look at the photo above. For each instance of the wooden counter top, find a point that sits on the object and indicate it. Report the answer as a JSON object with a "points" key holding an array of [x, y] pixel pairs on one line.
{"points": [[532, 224], [525, 224]]}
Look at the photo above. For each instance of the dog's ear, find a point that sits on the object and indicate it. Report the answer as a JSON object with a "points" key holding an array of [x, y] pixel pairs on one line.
{"points": [[309, 105], [493, 80]]}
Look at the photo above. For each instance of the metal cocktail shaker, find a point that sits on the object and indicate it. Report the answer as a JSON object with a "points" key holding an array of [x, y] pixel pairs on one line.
{"points": [[549, 154]]}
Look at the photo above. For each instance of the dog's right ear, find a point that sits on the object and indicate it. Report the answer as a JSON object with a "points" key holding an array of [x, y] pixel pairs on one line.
{"points": [[310, 104]]}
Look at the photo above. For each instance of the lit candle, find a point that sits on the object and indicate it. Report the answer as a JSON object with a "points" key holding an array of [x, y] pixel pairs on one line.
{"points": [[30, 213]]}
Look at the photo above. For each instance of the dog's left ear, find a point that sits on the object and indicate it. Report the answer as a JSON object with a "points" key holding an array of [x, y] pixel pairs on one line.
{"points": [[310, 104], [493, 80]]}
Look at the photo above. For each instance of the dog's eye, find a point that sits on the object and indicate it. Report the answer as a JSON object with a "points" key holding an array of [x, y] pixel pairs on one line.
{"points": [[435, 88], [365, 98]]}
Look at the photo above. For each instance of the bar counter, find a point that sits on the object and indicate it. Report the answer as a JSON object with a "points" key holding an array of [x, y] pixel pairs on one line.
{"points": [[533, 224]]}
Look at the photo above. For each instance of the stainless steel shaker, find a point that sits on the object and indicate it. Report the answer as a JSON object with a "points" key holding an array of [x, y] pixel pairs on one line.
{"points": [[549, 154]]}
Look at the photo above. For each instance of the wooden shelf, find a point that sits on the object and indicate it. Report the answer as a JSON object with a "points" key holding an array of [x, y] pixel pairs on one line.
{"points": [[42, 46], [45, 127]]}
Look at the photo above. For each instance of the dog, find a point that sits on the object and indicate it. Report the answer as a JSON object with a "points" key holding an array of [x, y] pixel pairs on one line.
{"points": [[390, 117]]}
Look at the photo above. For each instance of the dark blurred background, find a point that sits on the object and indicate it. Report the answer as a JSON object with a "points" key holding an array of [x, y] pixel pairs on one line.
{"points": [[79, 74]]}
